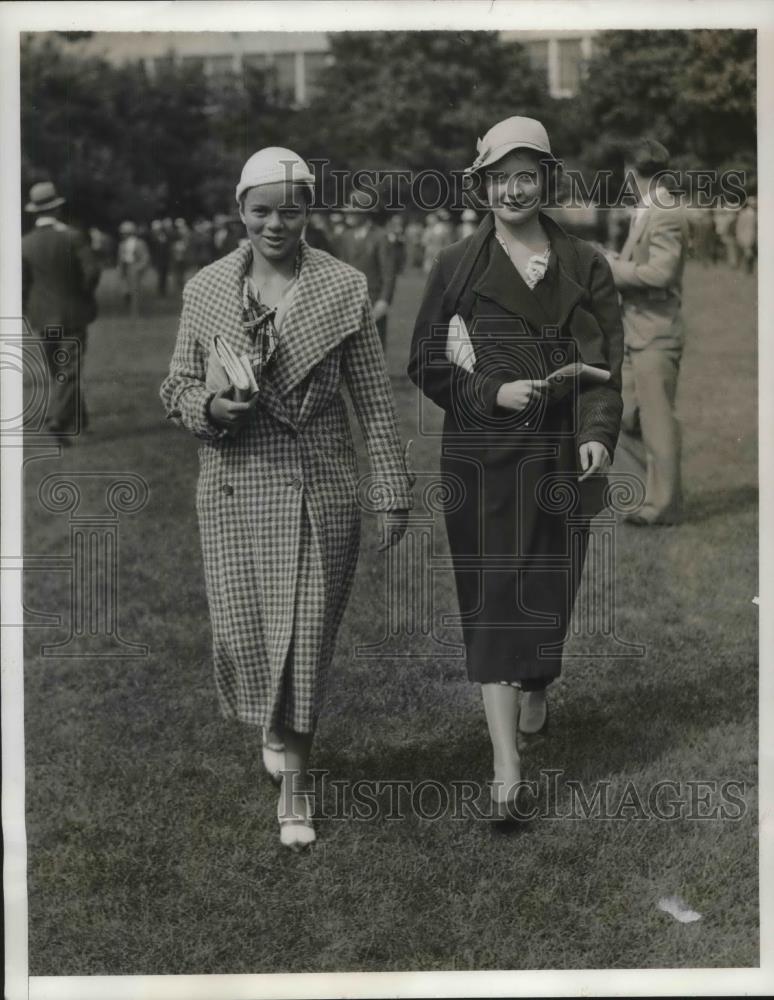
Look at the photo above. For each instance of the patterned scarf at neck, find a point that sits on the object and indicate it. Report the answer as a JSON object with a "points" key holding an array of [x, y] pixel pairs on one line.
{"points": [[258, 319]]}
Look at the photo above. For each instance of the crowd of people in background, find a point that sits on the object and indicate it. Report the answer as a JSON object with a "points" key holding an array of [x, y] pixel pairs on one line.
{"points": [[156, 258], [172, 250], [725, 233]]}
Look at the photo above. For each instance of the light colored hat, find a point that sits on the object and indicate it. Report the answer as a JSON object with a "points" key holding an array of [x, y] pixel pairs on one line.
{"points": [[512, 133], [43, 198], [127, 228], [272, 164]]}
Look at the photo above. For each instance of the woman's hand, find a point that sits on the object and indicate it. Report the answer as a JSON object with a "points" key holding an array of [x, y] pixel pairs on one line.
{"points": [[518, 395], [381, 308], [392, 528], [227, 413], [594, 457]]}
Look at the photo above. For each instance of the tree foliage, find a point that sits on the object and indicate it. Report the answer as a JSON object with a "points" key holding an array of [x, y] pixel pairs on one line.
{"points": [[121, 143], [419, 99], [693, 90]]}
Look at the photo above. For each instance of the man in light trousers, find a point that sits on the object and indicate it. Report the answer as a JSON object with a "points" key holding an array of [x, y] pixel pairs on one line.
{"points": [[648, 273]]}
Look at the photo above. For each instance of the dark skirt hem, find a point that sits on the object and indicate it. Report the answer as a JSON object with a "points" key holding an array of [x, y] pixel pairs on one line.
{"points": [[494, 670]]}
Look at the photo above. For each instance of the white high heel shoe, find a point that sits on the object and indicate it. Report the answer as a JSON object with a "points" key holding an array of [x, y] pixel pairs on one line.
{"points": [[273, 757], [296, 832]]}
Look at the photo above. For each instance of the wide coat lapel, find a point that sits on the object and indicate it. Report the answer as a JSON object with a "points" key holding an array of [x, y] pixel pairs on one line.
{"points": [[226, 301], [561, 291], [551, 301], [326, 308], [560, 300], [501, 283], [469, 267]]}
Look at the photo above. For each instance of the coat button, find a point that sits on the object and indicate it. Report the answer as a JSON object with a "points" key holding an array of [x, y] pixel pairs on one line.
{"points": [[295, 483], [227, 490]]}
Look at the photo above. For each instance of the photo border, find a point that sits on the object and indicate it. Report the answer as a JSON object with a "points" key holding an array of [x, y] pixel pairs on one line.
{"points": [[375, 15]]}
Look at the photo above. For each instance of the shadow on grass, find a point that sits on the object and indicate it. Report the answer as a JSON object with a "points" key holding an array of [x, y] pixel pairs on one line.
{"points": [[721, 502], [591, 737]]}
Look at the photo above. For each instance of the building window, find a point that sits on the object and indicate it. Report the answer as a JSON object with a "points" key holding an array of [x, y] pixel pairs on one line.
{"points": [[278, 73], [570, 59], [314, 64], [161, 65], [257, 69], [192, 62], [559, 59], [285, 77], [220, 69], [254, 61], [537, 53]]}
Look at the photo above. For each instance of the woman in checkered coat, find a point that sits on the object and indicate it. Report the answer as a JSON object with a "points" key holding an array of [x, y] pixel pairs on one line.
{"points": [[277, 493]]}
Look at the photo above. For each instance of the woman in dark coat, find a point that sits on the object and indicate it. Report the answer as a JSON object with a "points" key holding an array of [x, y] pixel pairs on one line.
{"points": [[524, 299]]}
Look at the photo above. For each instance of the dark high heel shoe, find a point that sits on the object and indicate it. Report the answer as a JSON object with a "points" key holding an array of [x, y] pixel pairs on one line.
{"points": [[510, 811], [505, 795], [540, 731]]}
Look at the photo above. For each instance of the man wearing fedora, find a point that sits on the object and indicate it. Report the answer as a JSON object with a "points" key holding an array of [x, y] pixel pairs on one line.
{"points": [[648, 273], [59, 278], [365, 245]]}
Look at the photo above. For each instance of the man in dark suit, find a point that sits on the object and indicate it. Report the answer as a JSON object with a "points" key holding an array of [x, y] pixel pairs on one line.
{"points": [[649, 274], [365, 245], [59, 278]]}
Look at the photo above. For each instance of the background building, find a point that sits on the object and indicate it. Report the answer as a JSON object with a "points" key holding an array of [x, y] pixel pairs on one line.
{"points": [[561, 55], [292, 61]]}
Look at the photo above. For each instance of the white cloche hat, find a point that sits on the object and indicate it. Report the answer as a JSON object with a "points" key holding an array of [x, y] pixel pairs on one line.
{"points": [[272, 164]]}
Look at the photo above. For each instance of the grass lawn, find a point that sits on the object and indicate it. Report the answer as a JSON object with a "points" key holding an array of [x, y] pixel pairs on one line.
{"points": [[152, 839]]}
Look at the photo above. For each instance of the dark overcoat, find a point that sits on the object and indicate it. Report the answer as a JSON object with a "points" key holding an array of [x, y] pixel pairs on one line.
{"points": [[516, 516], [59, 276], [278, 507]]}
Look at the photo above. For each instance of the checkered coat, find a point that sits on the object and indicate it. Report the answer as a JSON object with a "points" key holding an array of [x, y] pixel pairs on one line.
{"points": [[278, 503]]}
